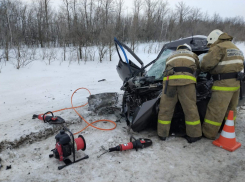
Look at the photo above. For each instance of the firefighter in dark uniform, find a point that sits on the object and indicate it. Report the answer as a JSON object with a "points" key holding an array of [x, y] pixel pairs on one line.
{"points": [[224, 61], [179, 84]]}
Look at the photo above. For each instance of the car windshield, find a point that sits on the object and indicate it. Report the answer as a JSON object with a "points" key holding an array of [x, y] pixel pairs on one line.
{"points": [[159, 66]]}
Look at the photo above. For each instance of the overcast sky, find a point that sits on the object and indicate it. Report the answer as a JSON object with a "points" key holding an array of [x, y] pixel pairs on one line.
{"points": [[225, 8]]}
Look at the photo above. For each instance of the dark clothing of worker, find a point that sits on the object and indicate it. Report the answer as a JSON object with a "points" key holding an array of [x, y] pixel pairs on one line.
{"points": [[181, 87], [223, 57]]}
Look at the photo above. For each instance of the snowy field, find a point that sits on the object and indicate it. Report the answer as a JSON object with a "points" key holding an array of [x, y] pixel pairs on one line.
{"points": [[25, 144]]}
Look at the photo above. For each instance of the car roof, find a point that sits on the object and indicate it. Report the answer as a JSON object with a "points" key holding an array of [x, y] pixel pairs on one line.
{"points": [[198, 43]]}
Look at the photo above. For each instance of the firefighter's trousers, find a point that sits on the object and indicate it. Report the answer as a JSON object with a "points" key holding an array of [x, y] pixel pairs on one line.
{"points": [[187, 96], [220, 104]]}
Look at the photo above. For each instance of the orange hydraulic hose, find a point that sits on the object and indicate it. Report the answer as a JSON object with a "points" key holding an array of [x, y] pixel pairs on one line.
{"points": [[89, 124]]}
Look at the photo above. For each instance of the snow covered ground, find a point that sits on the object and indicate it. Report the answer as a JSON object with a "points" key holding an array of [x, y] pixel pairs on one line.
{"points": [[39, 87]]}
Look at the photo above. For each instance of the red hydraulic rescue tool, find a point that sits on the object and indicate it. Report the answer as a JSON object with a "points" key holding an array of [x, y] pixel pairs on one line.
{"points": [[136, 144], [50, 119]]}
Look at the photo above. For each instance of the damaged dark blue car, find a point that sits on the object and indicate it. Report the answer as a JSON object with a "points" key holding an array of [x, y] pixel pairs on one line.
{"points": [[143, 89]]}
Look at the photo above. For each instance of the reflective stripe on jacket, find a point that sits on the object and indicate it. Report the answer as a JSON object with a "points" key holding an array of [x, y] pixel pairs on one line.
{"points": [[181, 58], [177, 77]]}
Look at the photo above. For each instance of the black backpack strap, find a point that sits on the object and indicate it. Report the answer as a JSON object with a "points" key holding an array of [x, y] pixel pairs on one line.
{"points": [[224, 76], [183, 69]]}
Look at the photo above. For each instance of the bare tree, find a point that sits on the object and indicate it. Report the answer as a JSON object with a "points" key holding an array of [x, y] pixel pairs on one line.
{"points": [[161, 20], [171, 25], [67, 8], [84, 23], [135, 21], [7, 4], [101, 45], [119, 23], [46, 23], [150, 27], [183, 12], [194, 18], [23, 56]]}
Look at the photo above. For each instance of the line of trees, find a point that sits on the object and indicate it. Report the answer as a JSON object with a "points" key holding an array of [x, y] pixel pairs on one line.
{"points": [[83, 23]]}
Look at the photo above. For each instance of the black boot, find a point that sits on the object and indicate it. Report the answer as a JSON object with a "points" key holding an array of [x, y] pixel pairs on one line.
{"points": [[162, 138], [192, 139]]}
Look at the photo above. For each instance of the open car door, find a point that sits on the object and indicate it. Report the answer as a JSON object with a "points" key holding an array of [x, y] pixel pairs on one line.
{"points": [[127, 69]]}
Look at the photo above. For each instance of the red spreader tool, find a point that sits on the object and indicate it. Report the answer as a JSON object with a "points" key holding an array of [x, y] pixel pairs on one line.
{"points": [[50, 119], [133, 144]]}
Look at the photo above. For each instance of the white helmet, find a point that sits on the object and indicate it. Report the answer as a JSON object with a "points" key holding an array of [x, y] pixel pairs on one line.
{"points": [[213, 36], [184, 46]]}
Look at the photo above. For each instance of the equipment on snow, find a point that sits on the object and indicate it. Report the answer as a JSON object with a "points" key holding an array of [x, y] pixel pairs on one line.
{"points": [[133, 144], [227, 138], [102, 80], [67, 145], [50, 119], [140, 143]]}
